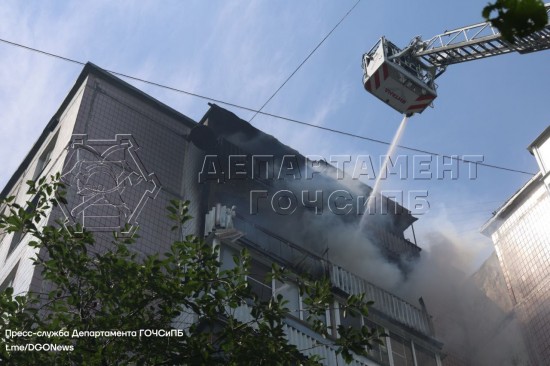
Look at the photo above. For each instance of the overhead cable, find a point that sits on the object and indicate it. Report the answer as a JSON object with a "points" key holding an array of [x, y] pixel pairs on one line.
{"points": [[305, 60], [453, 157]]}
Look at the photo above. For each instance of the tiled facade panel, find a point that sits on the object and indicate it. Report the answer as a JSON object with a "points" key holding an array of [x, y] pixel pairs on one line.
{"points": [[16, 253], [523, 246], [108, 111], [534, 313]]}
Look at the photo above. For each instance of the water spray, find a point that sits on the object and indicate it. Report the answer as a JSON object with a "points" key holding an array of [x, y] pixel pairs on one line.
{"points": [[375, 193]]}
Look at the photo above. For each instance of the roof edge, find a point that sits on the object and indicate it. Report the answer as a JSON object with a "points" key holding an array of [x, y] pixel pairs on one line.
{"points": [[543, 136], [503, 211], [115, 77]]}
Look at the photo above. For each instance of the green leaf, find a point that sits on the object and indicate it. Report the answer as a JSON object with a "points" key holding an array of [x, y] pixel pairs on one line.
{"points": [[516, 18]]}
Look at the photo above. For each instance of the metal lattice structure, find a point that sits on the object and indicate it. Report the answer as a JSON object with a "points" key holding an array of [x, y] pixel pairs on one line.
{"points": [[479, 41], [405, 78]]}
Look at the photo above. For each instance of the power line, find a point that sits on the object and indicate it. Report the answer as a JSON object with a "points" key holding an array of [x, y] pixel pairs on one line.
{"points": [[127, 76], [453, 157], [343, 133], [305, 60]]}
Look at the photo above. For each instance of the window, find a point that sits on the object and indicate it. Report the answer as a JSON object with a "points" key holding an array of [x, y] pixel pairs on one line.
{"points": [[290, 293], [401, 351], [44, 157], [15, 240], [379, 352], [18, 235], [226, 257], [258, 280], [8, 282], [424, 357], [347, 320], [324, 317]]}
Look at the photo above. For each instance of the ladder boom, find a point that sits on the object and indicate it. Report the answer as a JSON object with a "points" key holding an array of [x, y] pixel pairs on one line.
{"points": [[405, 78], [479, 41]]}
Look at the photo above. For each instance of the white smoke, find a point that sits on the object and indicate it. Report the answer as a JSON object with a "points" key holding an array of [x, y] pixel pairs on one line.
{"points": [[471, 325]]}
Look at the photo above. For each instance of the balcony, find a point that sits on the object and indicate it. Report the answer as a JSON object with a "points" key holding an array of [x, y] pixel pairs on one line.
{"points": [[385, 302], [309, 342], [300, 259]]}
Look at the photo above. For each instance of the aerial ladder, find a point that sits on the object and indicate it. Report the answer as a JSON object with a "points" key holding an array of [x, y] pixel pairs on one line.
{"points": [[405, 78]]}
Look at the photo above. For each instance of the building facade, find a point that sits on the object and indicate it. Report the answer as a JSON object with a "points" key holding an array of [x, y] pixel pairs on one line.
{"points": [[520, 231], [123, 156]]}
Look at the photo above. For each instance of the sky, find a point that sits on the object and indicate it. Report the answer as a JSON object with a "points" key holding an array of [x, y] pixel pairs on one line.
{"points": [[242, 51]]}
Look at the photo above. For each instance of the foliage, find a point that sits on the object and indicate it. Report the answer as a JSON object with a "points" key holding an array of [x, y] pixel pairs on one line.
{"points": [[516, 18], [89, 288]]}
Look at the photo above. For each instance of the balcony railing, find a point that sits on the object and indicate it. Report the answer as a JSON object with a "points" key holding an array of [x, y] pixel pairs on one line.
{"points": [[385, 302], [393, 243], [290, 253], [308, 342]]}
